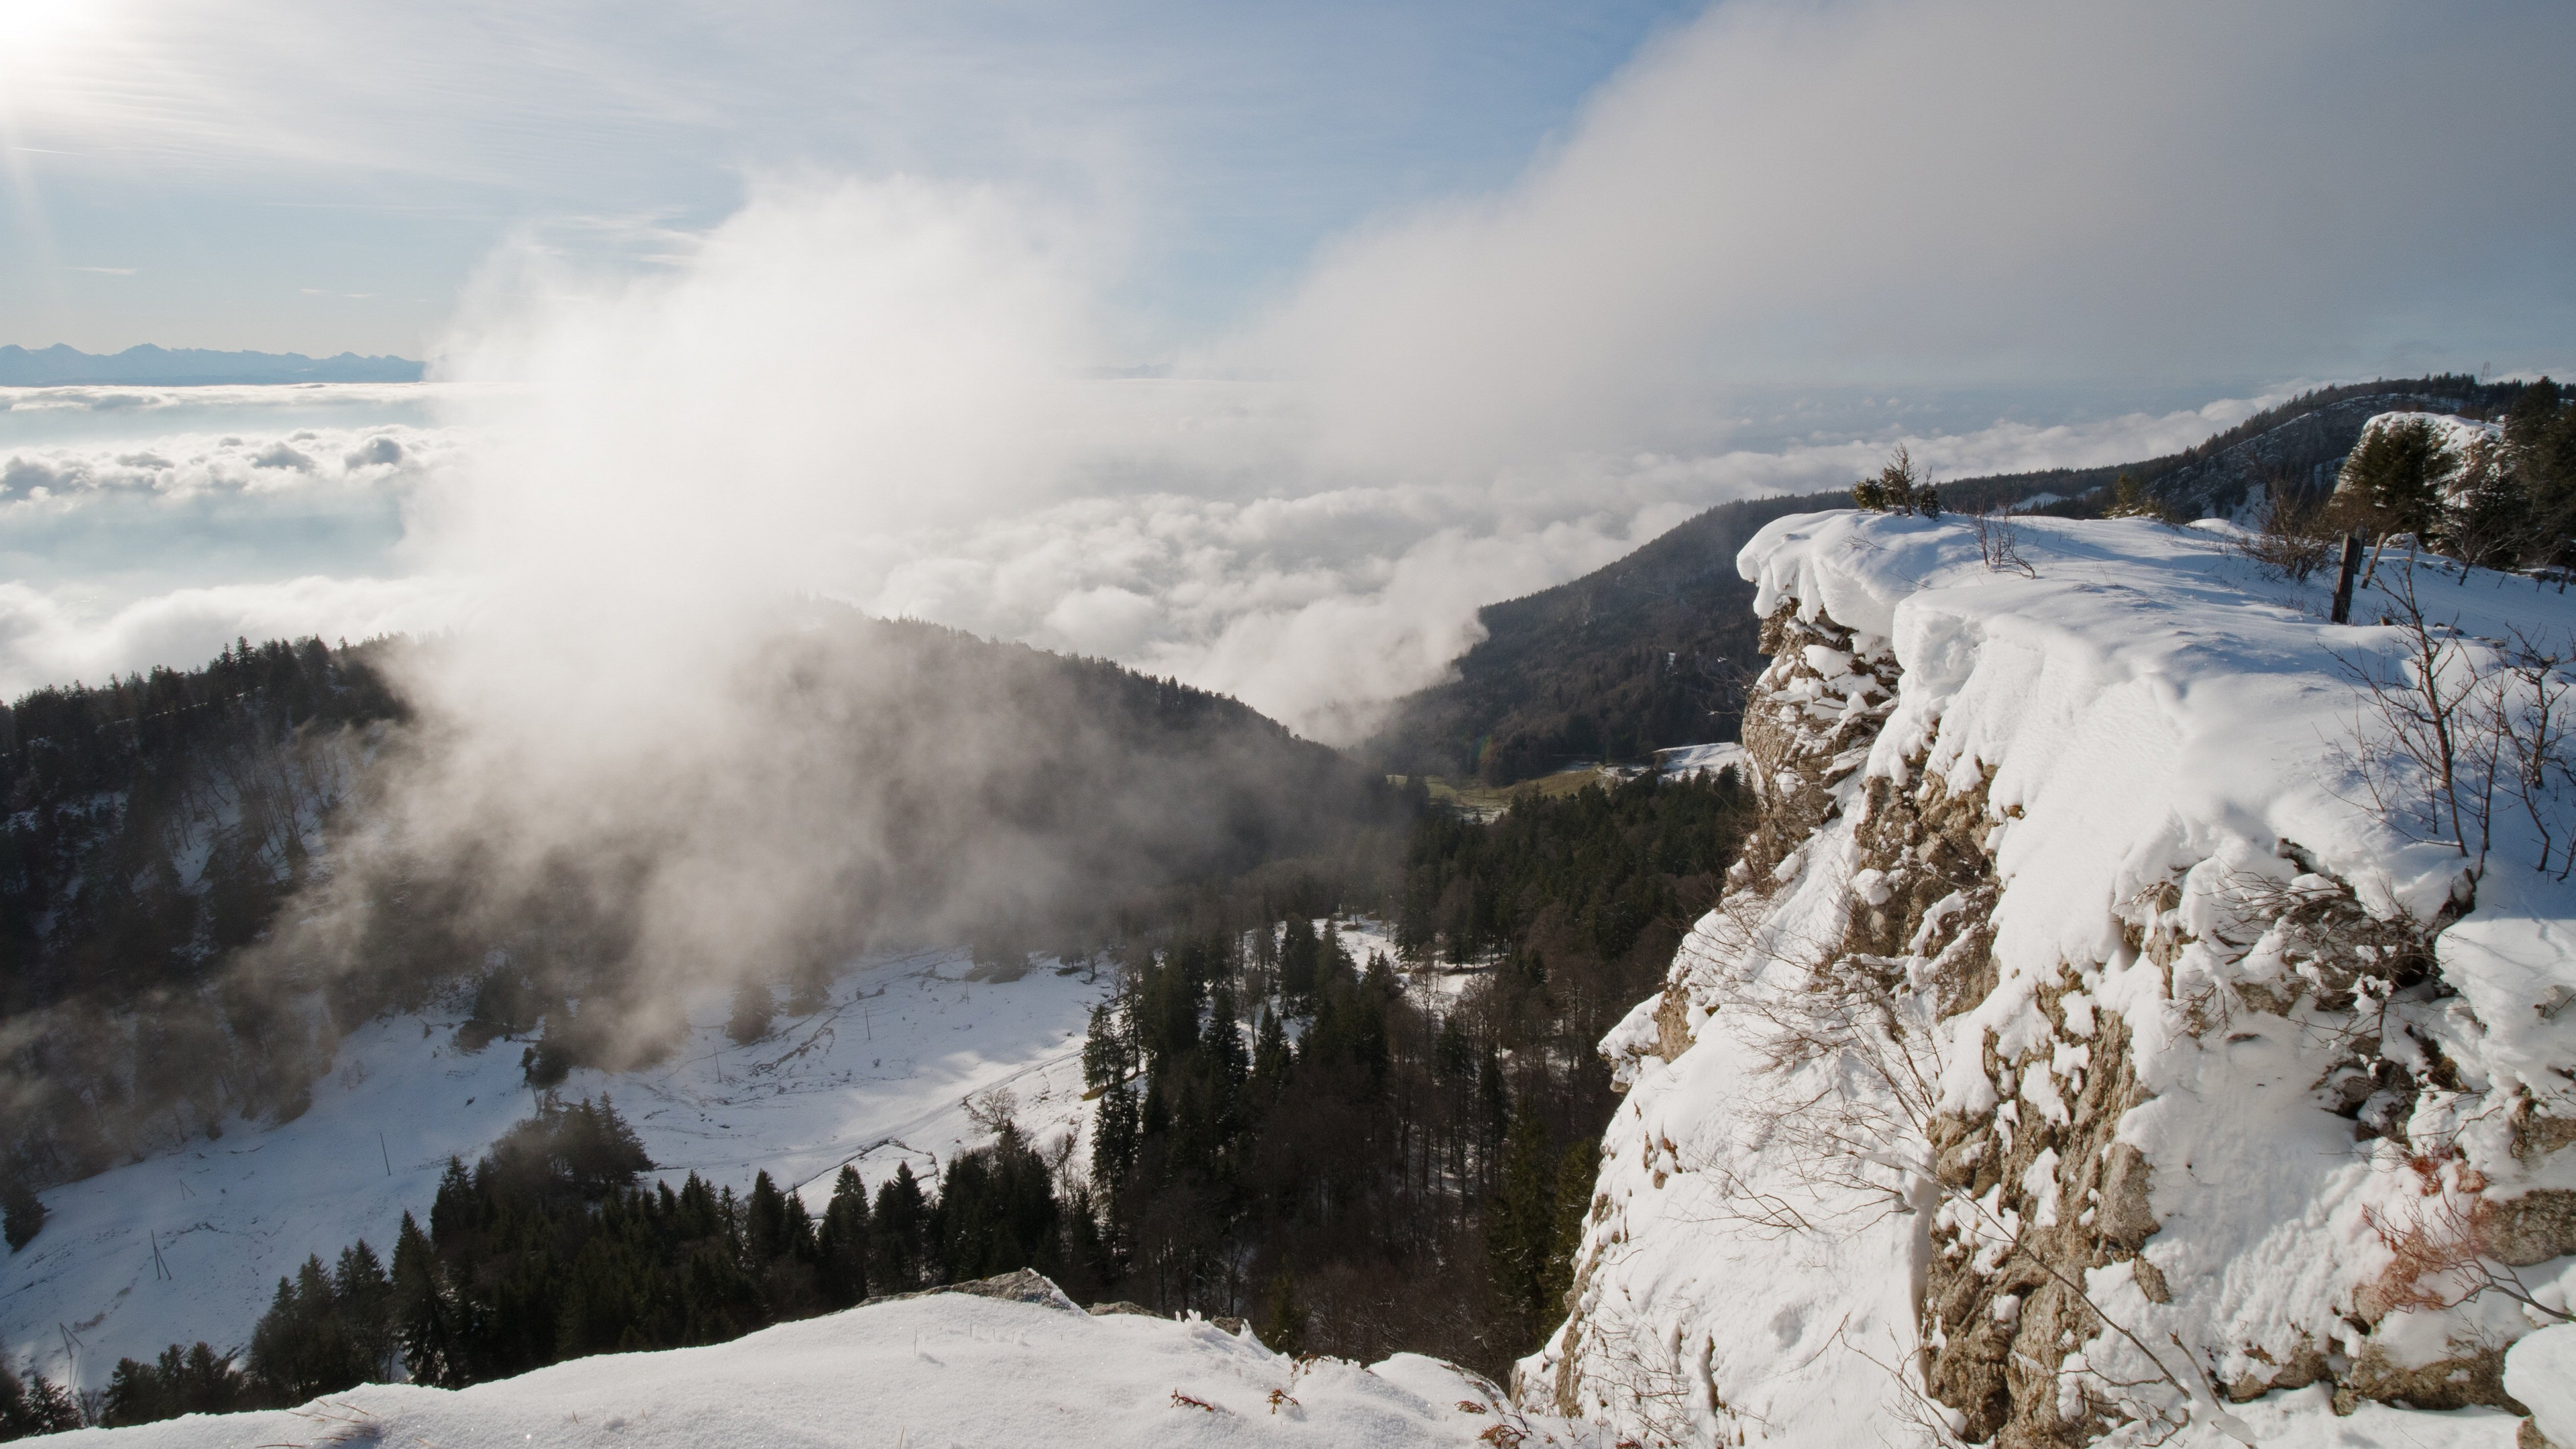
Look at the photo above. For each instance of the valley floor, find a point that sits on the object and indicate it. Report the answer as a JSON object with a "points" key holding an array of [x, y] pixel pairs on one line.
{"points": [[190, 1244]]}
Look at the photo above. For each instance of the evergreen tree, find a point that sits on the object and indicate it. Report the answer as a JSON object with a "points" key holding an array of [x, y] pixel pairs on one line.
{"points": [[34, 1405], [363, 1301], [2494, 523], [22, 1213], [1283, 1316], [996, 1212], [2540, 438], [754, 1007], [190, 1381], [1521, 1231], [1300, 955], [2400, 477], [1114, 1139], [897, 1234], [1898, 488], [1270, 1059], [134, 1395], [422, 1320], [325, 1332], [2129, 500], [1575, 1175], [842, 1242], [765, 1232]]}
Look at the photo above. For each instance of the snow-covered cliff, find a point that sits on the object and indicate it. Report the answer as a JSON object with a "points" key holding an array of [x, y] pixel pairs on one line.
{"points": [[2121, 1028]]}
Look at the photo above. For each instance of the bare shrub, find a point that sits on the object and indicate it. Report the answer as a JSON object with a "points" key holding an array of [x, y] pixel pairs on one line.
{"points": [[2457, 734], [2294, 538], [1999, 544], [2443, 1254]]}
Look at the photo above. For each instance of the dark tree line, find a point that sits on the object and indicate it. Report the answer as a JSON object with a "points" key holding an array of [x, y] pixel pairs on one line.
{"points": [[552, 1247]]}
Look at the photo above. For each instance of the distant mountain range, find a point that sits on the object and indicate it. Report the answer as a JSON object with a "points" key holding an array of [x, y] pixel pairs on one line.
{"points": [[149, 366]]}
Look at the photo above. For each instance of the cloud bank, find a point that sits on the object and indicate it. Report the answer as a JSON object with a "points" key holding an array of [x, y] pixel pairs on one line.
{"points": [[1956, 191]]}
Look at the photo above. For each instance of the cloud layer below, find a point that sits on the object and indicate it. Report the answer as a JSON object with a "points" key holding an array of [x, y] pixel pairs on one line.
{"points": [[1313, 596]]}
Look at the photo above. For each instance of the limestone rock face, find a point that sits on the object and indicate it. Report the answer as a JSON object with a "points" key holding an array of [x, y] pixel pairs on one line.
{"points": [[2069, 1054]]}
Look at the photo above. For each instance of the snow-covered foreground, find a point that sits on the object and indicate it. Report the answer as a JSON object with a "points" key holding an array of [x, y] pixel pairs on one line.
{"points": [[190, 1245], [922, 1373], [2055, 1070]]}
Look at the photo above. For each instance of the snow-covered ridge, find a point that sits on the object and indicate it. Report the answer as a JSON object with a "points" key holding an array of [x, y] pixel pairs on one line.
{"points": [[944, 1369], [2456, 433], [2080, 1051]]}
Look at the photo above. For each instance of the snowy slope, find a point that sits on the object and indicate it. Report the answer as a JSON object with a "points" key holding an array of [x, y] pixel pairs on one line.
{"points": [[947, 1369], [1684, 762], [2036, 928], [190, 1245]]}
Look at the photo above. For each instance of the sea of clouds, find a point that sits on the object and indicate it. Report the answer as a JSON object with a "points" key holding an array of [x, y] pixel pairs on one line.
{"points": [[1171, 524]]}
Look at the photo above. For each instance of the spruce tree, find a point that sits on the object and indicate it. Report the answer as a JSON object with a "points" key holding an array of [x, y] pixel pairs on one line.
{"points": [[421, 1318], [22, 1213], [135, 1395], [35, 1405], [1283, 1316], [2400, 475], [1897, 488], [1299, 959], [2540, 437], [842, 1244], [2494, 523], [810, 987], [764, 1224], [1520, 1231], [754, 1007], [1270, 1059], [1114, 1139], [897, 1232], [363, 1302]]}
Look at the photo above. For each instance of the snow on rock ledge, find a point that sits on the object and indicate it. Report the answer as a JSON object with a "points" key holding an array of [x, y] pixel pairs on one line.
{"points": [[941, 1369], [2074, 1055]]}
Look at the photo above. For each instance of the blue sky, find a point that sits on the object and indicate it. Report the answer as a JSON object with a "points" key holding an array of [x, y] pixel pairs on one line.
{"points": [[325, 178], [1862, 191]]}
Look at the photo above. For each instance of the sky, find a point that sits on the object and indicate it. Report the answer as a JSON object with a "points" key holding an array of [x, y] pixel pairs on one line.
{"points": [[1253, 344], [319, 179]]}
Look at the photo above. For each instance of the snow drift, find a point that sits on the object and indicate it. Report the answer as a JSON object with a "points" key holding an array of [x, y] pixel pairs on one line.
{"points": [[1005, 1362], [2100, 1040]]}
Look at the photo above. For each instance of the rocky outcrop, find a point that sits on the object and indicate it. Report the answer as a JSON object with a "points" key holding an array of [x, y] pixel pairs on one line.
{"points": [[1842, 1064]]}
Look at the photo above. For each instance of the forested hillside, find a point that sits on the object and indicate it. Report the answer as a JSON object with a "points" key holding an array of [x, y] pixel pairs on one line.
{"points": [[153, 991], [152, 821], [1648, 652], [1652, 651]]}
